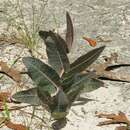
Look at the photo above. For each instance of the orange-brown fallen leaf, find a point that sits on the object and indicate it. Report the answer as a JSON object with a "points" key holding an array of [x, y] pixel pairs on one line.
{"points": [[4, 96], [15, 126], [14, 74], [91, 42], [121, 128], [115, 119], [11, 125]]}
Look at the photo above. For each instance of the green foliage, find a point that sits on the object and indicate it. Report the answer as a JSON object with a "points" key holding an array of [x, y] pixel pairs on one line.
{"points": [[69, 32], [29, 96], [59, 84], [42, 74], [56, 51], [84, 61]]}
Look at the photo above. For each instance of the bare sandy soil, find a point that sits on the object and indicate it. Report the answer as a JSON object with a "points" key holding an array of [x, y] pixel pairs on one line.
{"points": [[109, 20]]}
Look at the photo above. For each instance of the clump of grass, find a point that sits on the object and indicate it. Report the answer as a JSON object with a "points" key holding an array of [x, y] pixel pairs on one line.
{"points": [[24, 19]]}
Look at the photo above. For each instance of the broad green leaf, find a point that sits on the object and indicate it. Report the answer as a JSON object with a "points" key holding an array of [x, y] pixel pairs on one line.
{"points": [[74, 91], [83, 83], [92, 84], [42, 75], [84, 61], [59, 115], [55, 47], [68, 81], [69, 32], [45, 34], [62, 42], [60, 107], [27, 96], [44, 95], [87, 86]]}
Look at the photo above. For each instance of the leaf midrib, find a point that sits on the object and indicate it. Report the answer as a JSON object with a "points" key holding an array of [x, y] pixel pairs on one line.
{"points": [[58, 53], [52, 82], [83, 62]]}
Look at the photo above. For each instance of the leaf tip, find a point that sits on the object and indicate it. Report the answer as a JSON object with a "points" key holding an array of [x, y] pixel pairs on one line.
{"points": [[43, 34]]}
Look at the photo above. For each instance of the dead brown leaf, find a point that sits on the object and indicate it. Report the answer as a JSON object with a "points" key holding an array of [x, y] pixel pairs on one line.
{"points": [[11, 125], [4, 96], [104, 70], [121, 128], [12, 73], [15, 126], [115, 119]]}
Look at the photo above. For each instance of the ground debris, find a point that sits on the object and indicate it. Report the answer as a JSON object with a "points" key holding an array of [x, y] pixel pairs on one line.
{"points": [[105, 70], [10, 72], [11, 39], [120, 118]]}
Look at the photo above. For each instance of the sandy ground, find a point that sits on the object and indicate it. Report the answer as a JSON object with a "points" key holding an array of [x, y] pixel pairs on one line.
{"points": [[93, 18]]}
